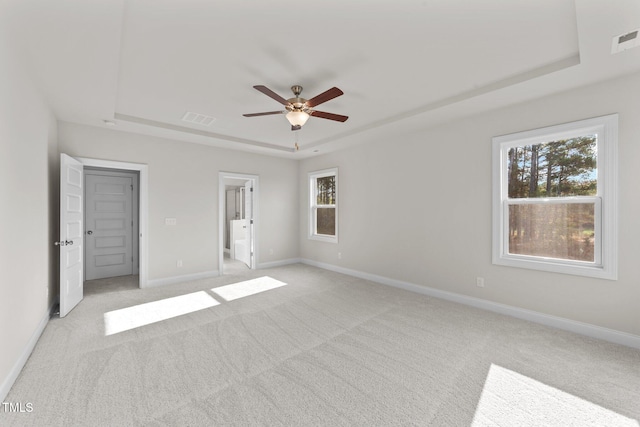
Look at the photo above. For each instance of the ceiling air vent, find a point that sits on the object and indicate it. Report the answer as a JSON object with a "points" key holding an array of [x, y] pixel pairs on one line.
{"points": [[625, 41], [199, 119]]}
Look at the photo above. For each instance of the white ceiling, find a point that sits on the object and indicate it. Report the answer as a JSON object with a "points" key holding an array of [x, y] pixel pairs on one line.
{"points": [[401, 64]]}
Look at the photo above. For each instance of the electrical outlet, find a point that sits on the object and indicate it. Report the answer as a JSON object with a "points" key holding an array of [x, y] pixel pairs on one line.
{"points": [[179, 263], [271, 251], [480, 282], [339, 255]]}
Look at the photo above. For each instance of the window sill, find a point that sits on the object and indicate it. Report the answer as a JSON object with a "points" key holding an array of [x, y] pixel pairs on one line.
{"points": [[321, 238], [549, 265]]}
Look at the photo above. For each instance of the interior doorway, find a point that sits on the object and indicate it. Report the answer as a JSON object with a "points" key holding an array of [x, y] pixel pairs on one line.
{"points": [[142, 208], [238, 194]]}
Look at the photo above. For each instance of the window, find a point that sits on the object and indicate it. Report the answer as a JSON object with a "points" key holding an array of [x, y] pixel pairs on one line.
{"points": [[554, 198], [323, 211]]}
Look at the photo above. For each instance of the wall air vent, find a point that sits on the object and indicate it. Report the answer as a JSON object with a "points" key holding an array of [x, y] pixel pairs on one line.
{"points": [[625, 41], [199, 119]]}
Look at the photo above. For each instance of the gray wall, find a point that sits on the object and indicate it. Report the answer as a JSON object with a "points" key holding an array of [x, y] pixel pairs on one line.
{"points": [[183, 184], [441, 237], [28, 188]]}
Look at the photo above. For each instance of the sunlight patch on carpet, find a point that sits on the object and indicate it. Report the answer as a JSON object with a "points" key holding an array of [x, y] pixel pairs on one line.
{"points": [[511, 399], [145, 314], [246, 288]]}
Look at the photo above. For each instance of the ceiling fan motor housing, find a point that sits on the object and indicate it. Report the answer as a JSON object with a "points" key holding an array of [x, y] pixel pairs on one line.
{"points": [[297, 103]]}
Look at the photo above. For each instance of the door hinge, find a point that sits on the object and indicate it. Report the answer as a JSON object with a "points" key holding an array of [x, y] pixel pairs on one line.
{"points": [[251, 221], [132, 186], [251, 189]]}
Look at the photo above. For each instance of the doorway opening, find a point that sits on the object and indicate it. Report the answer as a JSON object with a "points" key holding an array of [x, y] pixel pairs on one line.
{"points": [[238, 195], [111, 218], [142, 208]]}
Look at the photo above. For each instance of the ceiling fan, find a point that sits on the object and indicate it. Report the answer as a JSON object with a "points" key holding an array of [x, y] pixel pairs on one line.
{"points": [[298, 110]]}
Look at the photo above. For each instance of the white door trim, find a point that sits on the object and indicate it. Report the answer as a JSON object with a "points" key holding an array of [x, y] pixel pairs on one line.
{"points": [[221, 213], [143, 242]]}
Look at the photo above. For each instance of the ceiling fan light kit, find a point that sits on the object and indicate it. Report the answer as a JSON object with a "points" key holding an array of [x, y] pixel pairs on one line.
{"points": [[297, 118], [297, 109]]}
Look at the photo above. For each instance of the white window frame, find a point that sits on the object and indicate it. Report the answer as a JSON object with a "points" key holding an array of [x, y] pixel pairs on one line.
{"points": [[313, 206], [605, 265]]}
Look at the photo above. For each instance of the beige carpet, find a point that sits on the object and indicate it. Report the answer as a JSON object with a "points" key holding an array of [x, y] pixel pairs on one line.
{"points": [[300, 346]]}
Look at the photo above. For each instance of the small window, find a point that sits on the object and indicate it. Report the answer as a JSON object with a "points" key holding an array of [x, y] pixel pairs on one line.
{"points": [[554, 198], [323, 211]]}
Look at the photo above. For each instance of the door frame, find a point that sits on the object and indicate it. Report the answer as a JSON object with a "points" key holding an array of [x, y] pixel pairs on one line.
{"points": [[143, 208], [221, 214]]}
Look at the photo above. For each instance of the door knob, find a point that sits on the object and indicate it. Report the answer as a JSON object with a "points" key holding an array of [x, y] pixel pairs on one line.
{"points": [[89, 232]]}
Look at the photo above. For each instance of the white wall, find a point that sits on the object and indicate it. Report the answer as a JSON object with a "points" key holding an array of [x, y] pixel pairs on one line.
{"points": [[441, 179], [28, 259], [183, 184]]}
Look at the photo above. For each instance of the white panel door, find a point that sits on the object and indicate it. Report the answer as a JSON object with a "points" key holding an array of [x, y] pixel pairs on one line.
{"points": [[71, 233], [109, 226], [248, 211]]}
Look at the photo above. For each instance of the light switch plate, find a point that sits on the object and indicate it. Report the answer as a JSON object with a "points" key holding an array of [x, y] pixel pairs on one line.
{"points": [[170, 221]]}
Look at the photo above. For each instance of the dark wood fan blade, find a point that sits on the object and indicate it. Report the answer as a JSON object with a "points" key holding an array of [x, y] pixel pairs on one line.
{"points": [[271, 94], [330, 116], [296, 127], [264, 114], [328, 95]]}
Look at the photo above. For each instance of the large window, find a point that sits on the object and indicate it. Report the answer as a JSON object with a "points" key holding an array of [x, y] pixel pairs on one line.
{"points": [[555, 198], [323, 218]]}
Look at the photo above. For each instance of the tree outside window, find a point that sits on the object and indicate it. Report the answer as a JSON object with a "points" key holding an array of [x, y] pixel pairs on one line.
{"points": [[556, 169]]}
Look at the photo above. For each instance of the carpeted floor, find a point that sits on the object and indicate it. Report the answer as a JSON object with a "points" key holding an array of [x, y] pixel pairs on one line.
{"points": [[312, 347], [233, 266], [111, 284]]}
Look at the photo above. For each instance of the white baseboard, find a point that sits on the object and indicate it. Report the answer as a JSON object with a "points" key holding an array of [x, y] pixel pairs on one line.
{"points": [[7, 383], [279, 263], [152, 283], [582, 328]]}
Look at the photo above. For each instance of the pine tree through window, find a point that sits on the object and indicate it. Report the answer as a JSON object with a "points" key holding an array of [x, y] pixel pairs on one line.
{"points": [[559, 170]]}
